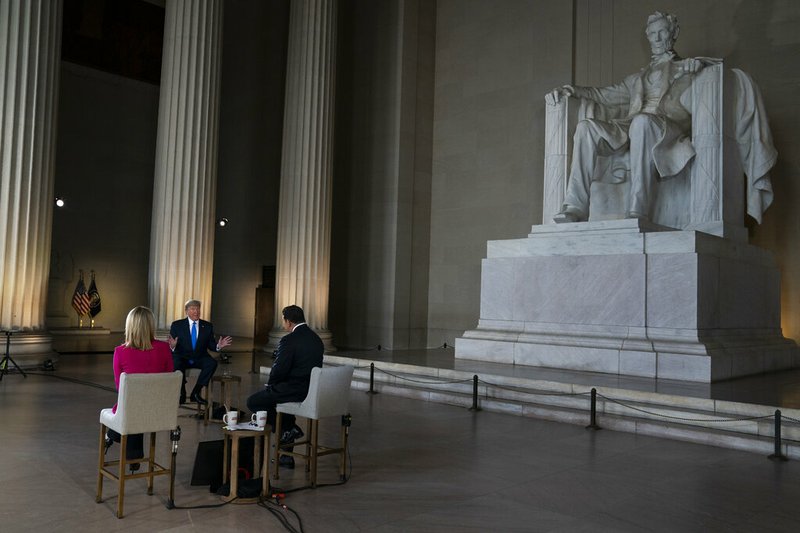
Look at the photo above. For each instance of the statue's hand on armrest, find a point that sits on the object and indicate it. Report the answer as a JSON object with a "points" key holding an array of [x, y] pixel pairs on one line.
{"points": [[555, 96], [693, 65]]}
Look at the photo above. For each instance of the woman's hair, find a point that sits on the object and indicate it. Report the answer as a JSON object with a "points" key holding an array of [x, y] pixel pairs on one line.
{"points": [[140, 327]]}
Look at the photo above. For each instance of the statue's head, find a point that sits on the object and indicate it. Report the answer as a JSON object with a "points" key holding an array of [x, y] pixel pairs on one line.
{"points": [[662, 31]]}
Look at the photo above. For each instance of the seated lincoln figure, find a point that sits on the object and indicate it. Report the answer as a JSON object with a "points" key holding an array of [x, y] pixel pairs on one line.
{"points": [[655, 133]]}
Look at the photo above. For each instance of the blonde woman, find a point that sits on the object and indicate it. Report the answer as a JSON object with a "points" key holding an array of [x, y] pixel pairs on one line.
{"points": [[140, 354]]}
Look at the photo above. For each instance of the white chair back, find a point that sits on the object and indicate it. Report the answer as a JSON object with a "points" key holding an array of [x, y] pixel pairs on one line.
{"points": [[146, 403], [328, 392]]}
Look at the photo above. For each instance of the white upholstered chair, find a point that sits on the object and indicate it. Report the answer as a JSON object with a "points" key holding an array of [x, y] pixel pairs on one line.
{"points": [[147, 403], [328, 395]]}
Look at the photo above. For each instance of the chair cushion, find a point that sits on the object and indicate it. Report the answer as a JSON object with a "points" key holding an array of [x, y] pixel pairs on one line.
{"points": [[146, 403], [292, 408], [328, 394]]}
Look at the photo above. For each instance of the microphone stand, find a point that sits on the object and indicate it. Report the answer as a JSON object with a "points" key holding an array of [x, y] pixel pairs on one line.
{"points": [[4, 362]]}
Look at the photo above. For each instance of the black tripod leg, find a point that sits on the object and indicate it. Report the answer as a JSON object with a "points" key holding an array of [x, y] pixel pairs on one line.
{"points": [[7, 358], [4, 367]]}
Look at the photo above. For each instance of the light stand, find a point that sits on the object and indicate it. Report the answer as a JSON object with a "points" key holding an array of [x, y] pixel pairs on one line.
{"points": [[174, 436], [7, 358]]}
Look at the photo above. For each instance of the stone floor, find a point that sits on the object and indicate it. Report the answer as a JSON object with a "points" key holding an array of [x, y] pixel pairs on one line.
{"points": [[416, 466]]}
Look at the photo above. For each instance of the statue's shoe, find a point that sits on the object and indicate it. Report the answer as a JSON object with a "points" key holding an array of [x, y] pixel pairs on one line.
{"points": [[568, 214], [636, 214]]}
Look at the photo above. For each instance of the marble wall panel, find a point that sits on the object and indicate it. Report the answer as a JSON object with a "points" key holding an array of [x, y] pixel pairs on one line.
{"points": [[493, 67], [575, 290], [583, 359], [684, 367], [485, 350], [748, 296], [498, 289], [708, 289], [672, 290], [569, 243], [753, 361], [105, 154], [248, 183], [637, 363]]}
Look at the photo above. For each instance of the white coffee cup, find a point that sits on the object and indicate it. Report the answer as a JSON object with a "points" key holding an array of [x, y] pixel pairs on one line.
{"points": [[231, 418], [259, 418]]}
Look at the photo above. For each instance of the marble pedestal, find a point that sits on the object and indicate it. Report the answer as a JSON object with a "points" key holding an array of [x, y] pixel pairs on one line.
{"points": [[631, 298]]}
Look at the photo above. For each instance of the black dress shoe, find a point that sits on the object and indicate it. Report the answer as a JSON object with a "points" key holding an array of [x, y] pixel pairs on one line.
{"points": [[134, 467], [195, 397], [291, 435], [286, 461], [107, 444]]}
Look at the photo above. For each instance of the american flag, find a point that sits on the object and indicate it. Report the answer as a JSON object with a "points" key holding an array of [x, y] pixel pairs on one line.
{"points": [[80, 299]]}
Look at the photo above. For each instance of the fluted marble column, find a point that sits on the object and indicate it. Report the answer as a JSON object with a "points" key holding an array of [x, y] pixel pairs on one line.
{"points": [[304, 220], [182, 234], [30, 44]]}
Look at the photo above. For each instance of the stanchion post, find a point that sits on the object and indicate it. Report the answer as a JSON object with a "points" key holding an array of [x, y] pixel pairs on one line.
{"points": [[593, 412], [372, 379], [475, 394], [778, 456]]}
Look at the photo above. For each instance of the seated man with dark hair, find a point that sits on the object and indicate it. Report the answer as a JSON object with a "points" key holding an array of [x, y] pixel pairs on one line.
{"points": [[298, 352]]}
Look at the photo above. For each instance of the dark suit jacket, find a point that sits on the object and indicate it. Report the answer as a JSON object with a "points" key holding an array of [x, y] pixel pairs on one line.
{"points": [[298, 352], [205, 339]]}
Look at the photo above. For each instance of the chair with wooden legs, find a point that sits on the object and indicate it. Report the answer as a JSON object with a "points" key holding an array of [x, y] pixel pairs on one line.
{"points": [[147, 403], [328, 395]]}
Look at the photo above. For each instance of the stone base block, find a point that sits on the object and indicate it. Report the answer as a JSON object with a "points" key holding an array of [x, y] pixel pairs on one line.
{"points": [[75, 331], [626, 297]]}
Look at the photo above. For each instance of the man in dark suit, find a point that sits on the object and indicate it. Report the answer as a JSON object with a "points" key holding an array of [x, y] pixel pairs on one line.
{"points": [[298, 352], [190, 339]]}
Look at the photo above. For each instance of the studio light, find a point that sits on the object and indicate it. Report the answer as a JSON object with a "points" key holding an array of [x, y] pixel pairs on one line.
{"points": [[222, 222], [59, 201]]}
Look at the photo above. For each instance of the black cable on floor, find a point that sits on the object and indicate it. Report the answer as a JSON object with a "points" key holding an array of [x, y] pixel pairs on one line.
{"points": [[207, 505], [321, 485], [281, 518], [74, 380]]}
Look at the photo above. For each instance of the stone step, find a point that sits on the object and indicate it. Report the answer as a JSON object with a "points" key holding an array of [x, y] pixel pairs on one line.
{"points": [[727, 424]]}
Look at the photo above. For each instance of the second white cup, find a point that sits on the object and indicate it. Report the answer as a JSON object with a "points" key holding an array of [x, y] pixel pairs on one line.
{"points": [[231, 418], [259, 418]]}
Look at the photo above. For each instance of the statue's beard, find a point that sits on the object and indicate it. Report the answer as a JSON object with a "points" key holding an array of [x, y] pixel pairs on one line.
{"points": [[661, 48]]}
